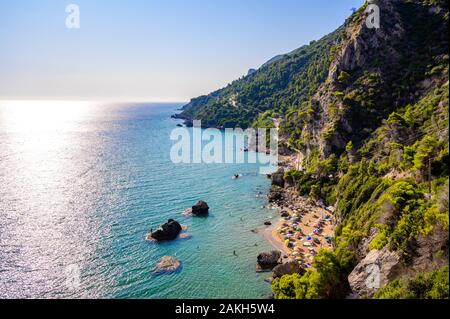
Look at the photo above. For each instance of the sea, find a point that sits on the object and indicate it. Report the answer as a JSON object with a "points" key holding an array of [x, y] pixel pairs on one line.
{"points": [[83, 183]]}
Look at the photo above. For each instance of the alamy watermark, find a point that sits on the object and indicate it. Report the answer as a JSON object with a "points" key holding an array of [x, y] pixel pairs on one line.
{"points": [[373, 16], [229, 146], [373, 280], [73, 277], [372, 20], [73, 17]]}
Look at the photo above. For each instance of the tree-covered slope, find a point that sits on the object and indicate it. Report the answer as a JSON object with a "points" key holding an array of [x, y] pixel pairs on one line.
{"points": [[278, 85]]}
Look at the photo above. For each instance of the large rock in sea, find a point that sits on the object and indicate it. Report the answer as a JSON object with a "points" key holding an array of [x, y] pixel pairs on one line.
{"points": [[268, 260], [167, 264], [168, 231], [374, 272], [200, 209], [288, 268]]}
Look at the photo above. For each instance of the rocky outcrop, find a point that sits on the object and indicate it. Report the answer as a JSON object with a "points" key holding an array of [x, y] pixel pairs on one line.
{"points": [[275, 195], [278, 178], [342, 113], [284, 214], [268, 260], [364, 245], [251, 71], [288, 268], [374, 272], [167, 264], [168, 231], [200, 209], [430, 252]]}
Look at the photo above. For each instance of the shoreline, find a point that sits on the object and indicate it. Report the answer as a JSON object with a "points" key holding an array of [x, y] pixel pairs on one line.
{"points": [[302, 229], [270, 235]]}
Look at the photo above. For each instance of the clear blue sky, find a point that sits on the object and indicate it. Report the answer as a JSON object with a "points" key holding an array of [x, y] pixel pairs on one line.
{"points": [[150, 50]]}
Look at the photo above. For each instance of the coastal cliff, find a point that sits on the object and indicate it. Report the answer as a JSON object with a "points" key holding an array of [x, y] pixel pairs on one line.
{"points": [[364, 111]]}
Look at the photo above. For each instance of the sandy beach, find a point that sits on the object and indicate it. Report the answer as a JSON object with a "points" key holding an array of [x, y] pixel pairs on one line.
{"points": [[304, 227], [271, 235]]}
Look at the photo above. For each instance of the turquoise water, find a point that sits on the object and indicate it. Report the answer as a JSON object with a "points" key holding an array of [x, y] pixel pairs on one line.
{"points": [[81, 184]]}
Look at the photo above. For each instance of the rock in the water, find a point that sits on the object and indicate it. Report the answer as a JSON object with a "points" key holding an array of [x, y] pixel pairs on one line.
{"points": [[268, 260], [288, 268], [268, 223], [168, 231], [374, 272], [167, 264], [200, 209]]}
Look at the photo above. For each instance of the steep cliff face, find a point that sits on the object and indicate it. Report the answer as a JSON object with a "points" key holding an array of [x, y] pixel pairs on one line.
{"points": [[373, 72]]}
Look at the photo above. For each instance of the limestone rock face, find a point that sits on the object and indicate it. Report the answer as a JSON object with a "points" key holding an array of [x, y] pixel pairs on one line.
{"points": [[375, 271], [432, 251]]}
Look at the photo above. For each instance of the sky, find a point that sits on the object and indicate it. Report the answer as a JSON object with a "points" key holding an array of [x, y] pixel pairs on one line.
{"points": [[150, 50]]}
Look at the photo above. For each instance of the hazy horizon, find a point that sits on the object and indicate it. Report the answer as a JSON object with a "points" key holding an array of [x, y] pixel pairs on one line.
{"points": [[157, 51]]}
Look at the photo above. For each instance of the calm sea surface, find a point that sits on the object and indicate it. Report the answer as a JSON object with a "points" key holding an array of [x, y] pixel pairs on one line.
{"points": [[81, 184]]}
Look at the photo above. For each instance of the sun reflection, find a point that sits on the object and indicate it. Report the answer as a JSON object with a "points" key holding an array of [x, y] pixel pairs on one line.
{"points": [[42, 116], [41, 157]]}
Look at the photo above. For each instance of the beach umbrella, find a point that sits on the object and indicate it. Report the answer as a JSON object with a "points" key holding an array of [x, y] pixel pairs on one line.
{"points": [[308, 238]]}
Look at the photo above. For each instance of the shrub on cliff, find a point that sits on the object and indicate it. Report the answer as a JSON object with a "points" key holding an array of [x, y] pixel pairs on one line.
{"points": [[324, 282], [433, 285]]}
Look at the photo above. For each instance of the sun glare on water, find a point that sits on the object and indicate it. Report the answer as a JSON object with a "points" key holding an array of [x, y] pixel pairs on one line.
{"points": [[42, 116], [43, 152]]}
